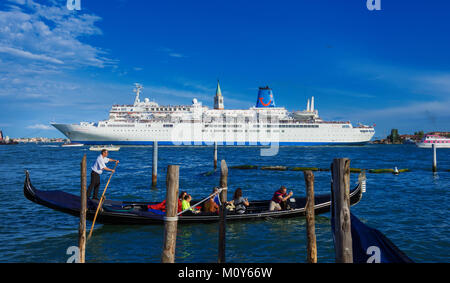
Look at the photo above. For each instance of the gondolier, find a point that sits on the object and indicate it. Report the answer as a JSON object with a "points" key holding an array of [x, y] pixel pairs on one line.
{"points": [[97, 170]]}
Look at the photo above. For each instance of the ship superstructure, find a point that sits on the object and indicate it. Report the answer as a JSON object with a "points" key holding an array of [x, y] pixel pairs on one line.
{"points": [[146, 121]]}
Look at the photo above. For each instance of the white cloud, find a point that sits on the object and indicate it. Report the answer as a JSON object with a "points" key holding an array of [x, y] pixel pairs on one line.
{"points": [[40, 127], [49, 33], [434, 84], [28, 55], [171, 53], [40, 46], [342, 92], [437, 108], [176, 55]]}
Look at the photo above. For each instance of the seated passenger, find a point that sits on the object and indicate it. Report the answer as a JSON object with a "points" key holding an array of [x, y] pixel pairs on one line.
{"points": [[239, 202], [162, 206], [210, 204], [279, 199], [186, 204], [180, 201]]}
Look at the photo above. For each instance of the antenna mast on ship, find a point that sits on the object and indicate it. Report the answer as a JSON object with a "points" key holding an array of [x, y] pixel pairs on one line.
{"points": [[137, 90]]}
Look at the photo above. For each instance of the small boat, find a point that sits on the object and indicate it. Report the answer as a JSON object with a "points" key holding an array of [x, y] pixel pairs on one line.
{"points": [[107, 147], [74, 144], [438, 141], [128, 212]]}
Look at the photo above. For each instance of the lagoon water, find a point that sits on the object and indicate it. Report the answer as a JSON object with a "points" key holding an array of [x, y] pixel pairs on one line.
{"points": [[411, 209]]}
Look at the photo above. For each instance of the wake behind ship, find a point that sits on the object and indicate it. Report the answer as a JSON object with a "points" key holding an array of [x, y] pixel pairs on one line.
{"points": [[146, 121]]}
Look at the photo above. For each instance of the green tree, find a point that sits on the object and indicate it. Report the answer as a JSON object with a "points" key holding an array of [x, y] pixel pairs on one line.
{"points": [[419, 134], [394, 137]]}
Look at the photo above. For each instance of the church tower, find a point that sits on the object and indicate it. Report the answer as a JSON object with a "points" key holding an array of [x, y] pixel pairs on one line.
{"points": [[218, 99]]}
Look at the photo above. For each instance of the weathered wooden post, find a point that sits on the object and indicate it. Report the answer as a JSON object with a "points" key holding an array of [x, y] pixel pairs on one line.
{"points": [[223, 210], [83, 204], [341, 209], [434, 158], [171, 218], [215, 155], [155, 164], [310, 219]]}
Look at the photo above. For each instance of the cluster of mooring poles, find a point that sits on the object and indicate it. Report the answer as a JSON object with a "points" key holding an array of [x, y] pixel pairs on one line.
{"points": [[340, 209], [340, 195]]}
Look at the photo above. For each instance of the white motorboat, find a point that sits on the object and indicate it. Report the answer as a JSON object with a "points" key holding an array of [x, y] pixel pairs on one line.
{"points": [[75, 144], [107, 147]]}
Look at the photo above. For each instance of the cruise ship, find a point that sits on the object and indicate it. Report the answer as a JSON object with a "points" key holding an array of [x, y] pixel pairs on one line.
{"points": [[145, 122]]}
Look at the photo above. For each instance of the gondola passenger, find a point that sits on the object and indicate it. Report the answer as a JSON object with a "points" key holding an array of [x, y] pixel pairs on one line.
{"points": [[279, 199], [186, 204], [162, 206], [240, 203], [211, 205]]}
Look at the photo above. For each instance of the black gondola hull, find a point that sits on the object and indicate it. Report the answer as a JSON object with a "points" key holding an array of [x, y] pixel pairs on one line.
{"points": [[135, 213]]}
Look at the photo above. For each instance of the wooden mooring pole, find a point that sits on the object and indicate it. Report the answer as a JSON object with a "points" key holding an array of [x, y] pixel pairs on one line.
{"points": [[223, 210], [155, 164], [171, 218], [434, 158], [215, 155], [83, 209], [341, 209], [310, 218]]}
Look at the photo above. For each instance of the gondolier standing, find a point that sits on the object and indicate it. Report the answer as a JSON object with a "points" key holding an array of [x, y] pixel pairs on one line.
{"points": [[97, 170]]}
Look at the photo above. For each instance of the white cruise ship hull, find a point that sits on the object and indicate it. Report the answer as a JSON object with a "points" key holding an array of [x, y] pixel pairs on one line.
{"points": [[185, 134]]}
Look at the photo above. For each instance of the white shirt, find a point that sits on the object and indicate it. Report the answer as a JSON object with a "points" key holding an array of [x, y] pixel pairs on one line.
{"points": [[99, 164]]}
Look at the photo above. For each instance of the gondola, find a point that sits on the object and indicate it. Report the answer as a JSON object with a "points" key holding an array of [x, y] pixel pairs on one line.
{"points": [[137, 213]]}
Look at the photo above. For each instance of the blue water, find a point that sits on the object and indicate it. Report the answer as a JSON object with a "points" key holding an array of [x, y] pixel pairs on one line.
{"points": [[411, 209]]}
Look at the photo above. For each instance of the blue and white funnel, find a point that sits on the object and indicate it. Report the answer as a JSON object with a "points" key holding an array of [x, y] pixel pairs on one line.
{"points": [[265, 98]]}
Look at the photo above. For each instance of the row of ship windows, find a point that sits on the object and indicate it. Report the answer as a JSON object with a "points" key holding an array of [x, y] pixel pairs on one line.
{"points": [[215, 131], [225, 126], [228, 126], [153, 109], [264, 126], [120, 126], [237, 126], [241, 131], [132, 126], [140, 130], [298, 126]]}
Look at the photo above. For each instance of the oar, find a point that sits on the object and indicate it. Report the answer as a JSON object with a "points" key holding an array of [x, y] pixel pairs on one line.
{"points": [[100, 204]]}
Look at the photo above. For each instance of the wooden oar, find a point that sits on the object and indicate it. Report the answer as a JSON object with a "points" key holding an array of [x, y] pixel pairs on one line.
{"points": [[100, 203]]}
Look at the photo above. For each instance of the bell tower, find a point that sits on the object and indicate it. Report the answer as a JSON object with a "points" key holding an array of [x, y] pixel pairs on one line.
{"points": [[218, 99]]}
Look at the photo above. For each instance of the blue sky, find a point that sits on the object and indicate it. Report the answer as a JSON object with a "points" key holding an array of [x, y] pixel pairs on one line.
{"points": [[389, 67]]}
